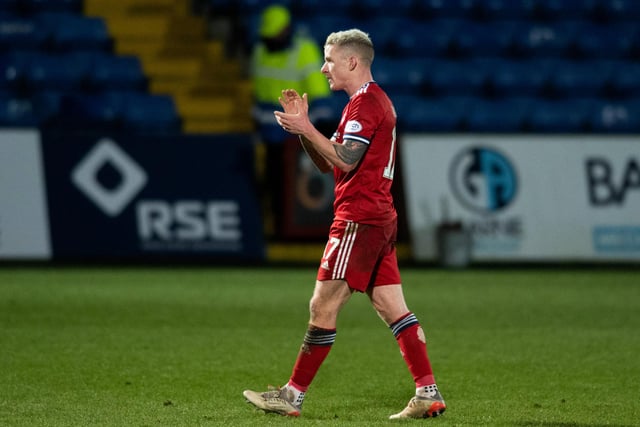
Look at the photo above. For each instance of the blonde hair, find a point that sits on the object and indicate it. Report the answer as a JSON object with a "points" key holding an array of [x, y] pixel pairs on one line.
{"points": [[355, 40]]}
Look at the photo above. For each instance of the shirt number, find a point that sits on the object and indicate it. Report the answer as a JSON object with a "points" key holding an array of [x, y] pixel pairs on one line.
{"points": [[391, 166]]}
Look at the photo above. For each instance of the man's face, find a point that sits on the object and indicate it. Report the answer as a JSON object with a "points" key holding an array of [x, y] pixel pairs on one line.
{"points": [[336, 67]]}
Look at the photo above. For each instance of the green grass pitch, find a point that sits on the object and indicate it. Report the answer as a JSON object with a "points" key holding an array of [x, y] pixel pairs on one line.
{"points": [[177, 346]]}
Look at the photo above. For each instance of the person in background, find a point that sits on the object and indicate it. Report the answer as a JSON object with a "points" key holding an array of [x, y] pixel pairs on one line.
{"points": [[282, 58], [360, 255]]}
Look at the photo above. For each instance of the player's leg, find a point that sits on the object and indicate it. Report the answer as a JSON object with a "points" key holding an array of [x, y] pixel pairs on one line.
{"points": [[387, 298], [327, 300], [390, 304], [334, 285], [330, 294]]}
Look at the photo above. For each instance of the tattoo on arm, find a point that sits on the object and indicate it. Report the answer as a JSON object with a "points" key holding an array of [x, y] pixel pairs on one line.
{"points": [[350, 151]]}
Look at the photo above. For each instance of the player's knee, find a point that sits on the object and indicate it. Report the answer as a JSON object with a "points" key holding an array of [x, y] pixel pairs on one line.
{"points": [[322, 313]]}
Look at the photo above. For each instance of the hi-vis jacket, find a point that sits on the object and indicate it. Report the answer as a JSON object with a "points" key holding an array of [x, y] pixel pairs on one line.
{"points": [[295, 68]]}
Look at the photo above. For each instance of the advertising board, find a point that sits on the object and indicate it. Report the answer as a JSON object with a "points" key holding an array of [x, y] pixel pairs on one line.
{"points": [[24, 228], [526, 198]]}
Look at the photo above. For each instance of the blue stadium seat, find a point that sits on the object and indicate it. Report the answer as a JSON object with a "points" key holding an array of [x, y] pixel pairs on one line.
{"points": [[545, 39], [565, 9], [11, 72], [307, 8], [561, 116], [46, 105], [117, 72], [518, 77], [580, 78], [383, 31], [619, 10], [84, 111], [21, 33], [505, 115], [498, 10], [451, 77], [625, 79], [378, 8], [37, 6], [485, 39], [70, 32], [17, 112], [458, 9], [606, 41], [427, 39], [320, 26], [401, 76], [150, 113], [617, 117], [62, 72], [444, 114]]}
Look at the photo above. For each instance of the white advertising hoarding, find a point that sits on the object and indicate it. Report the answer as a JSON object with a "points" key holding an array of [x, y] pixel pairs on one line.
{"points": [[526, 198], [24, 229]]}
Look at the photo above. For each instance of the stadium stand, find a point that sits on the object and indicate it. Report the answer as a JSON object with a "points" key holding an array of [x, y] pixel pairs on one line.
{"points": [[455, 65]]}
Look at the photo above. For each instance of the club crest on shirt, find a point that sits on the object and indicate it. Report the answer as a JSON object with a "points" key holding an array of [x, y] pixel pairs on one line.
{"points": [[352, 126]]}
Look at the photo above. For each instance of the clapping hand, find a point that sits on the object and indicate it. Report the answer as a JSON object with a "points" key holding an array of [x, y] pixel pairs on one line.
{"points": [[295, 117]]}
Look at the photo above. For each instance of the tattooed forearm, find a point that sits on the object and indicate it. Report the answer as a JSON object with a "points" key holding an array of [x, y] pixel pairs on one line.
{"points": [[350, 151]]}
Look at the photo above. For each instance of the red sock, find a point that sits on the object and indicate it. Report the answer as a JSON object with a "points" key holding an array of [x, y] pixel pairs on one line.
{"points": [[315, 348], [413, 347]]}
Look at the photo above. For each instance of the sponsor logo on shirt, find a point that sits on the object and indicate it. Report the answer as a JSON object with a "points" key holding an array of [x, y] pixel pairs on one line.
{"points": [[352, 126]]}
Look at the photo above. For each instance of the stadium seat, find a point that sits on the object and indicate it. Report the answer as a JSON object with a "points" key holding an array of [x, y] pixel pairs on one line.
{"points": [[17, 112], [444, 114], [436, 9], [484, 39], [580, 78], [148, 113], [38, 6], [596, 41], [504, 115], [616, 117], [499, 10], [625, 79], [451, 77], [543, 39], [115, 72], [378, 8], [76, 32], [518, 77], [62, 72], [561, 116], [426, 39], [383, 31], [11, 71], [560, 10], [401, 76], [46, 105], [84, 111], [21, 33], [320, 26], [619, 11]]}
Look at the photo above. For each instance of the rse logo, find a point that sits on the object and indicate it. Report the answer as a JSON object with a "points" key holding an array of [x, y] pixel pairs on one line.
{"points": [[189, 220]]}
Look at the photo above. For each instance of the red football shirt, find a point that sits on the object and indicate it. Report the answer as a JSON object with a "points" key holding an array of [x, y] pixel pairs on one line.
{"points": [[364, 194]]}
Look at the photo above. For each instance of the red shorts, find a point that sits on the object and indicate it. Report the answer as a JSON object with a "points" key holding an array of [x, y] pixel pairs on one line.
{"points": [[363, 255]]}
